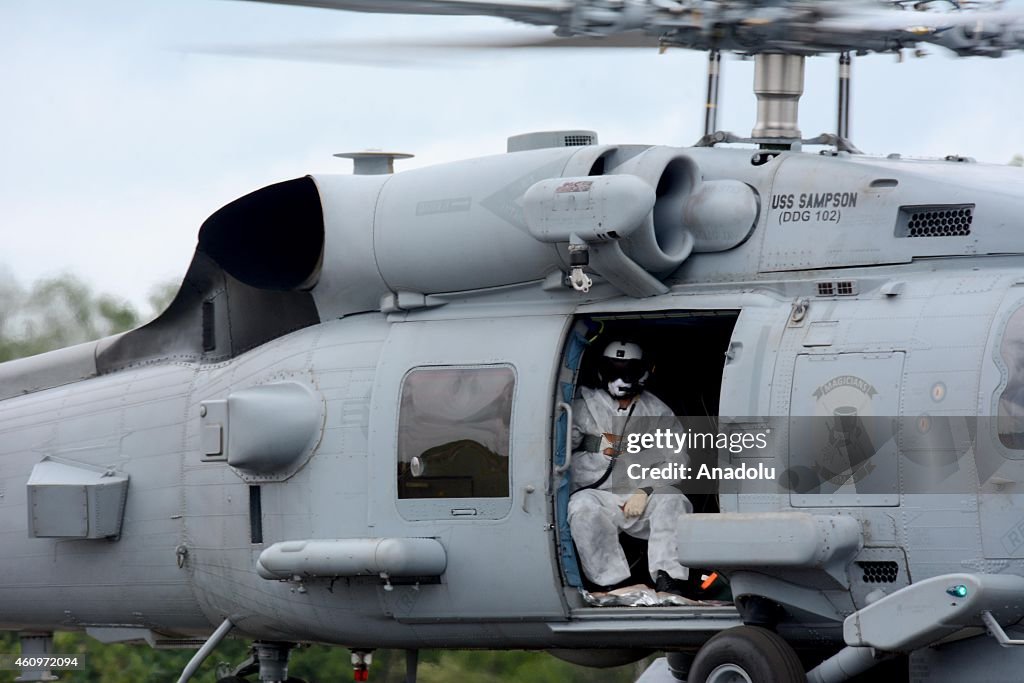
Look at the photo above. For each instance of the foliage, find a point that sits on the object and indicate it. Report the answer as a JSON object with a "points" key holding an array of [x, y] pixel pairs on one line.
{"points": [[119, 663], [64, 310]]}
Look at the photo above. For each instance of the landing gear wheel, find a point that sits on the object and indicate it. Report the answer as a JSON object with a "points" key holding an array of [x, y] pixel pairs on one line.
{"points": [[747, 654]]}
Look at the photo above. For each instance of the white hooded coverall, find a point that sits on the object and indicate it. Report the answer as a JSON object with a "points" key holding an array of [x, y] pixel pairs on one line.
{"points": [[595, 514]]}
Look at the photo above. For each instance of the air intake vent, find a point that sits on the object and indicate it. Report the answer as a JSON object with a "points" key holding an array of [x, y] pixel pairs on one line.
{"points": [[880, 571], [578, 140], [837, 288], [941, 220], [551, 138]]}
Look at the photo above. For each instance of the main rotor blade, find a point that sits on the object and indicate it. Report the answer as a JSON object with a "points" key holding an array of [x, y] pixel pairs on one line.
{"points": [[626, 39], [540, 12], [420, 51], [745, 26]]}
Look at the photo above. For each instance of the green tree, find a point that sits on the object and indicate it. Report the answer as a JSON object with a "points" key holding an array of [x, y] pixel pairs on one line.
{"points": [[56, 312]]}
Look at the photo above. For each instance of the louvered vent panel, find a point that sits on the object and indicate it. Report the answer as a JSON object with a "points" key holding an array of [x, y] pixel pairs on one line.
{"points": [[939, 220], [879, 572], [578, 140], [837, 287]]}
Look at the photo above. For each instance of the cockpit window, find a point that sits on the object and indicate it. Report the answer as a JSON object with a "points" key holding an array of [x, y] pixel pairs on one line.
{"points": [[454, 433], [1010, 418]]}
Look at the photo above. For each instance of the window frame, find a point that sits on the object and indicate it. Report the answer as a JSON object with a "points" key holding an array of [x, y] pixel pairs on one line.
{"points": [[419, 509], [1005, 372]]}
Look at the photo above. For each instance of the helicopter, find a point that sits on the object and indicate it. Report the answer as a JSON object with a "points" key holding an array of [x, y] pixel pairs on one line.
{"points": [[245, 463]]}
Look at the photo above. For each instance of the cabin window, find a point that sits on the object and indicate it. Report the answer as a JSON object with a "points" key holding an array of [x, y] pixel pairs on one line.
{"points": [[454, 432], [1010, 418]]}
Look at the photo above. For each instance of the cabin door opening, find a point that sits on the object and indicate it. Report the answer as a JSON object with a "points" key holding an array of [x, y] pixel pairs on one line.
{"points": [[687, 354]]}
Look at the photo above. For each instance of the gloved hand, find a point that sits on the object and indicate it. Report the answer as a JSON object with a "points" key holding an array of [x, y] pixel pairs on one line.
{"points": [[635, 504], [610, 444]]}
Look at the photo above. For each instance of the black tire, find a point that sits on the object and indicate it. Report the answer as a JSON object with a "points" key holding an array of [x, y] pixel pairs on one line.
{"points": [[759, 654]]}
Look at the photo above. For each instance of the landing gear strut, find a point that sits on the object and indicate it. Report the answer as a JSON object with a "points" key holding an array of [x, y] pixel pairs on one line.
{"points": [[36, 645], [269, 659]]}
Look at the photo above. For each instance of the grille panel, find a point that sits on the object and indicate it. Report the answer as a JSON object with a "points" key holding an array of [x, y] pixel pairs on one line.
{"points": [[949, 220], [578, 140], [836, 287], [879, 571]]}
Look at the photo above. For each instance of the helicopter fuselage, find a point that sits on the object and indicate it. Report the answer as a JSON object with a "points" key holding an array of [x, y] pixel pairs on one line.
{"points": [[888, 285]]}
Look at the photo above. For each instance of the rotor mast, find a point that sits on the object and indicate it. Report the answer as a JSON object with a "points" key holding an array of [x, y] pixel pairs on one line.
{"points": [[778, 85]]}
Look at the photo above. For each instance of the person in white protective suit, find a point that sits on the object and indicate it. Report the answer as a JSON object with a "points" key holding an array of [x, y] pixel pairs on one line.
{"points": [[605, 501]]}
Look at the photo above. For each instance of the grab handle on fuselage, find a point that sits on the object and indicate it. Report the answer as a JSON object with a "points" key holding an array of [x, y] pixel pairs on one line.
{"points": [[996, 629], [567, 463]]}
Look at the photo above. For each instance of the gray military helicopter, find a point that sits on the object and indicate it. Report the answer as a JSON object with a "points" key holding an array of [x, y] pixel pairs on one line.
{"points": [[352, 424]]}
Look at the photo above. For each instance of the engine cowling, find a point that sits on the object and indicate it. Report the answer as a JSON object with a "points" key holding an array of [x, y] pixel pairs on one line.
{"points": [[488, 222]]}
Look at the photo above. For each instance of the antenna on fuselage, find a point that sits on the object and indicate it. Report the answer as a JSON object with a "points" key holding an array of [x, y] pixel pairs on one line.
{"points": [[373, 161]]}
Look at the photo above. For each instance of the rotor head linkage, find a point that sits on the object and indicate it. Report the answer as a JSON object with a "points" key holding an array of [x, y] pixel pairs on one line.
{"points": [[845, 68], [711, 101], [778, 85]]}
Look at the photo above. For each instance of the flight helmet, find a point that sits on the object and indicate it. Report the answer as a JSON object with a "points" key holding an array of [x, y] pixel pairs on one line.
{"points": [[622, 369]]}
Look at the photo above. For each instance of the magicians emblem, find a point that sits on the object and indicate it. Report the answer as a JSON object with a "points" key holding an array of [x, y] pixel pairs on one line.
{"points": [[843, 405]]}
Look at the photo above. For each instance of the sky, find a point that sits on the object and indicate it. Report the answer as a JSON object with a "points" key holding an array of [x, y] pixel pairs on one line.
{"points": [[124, 123]]}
